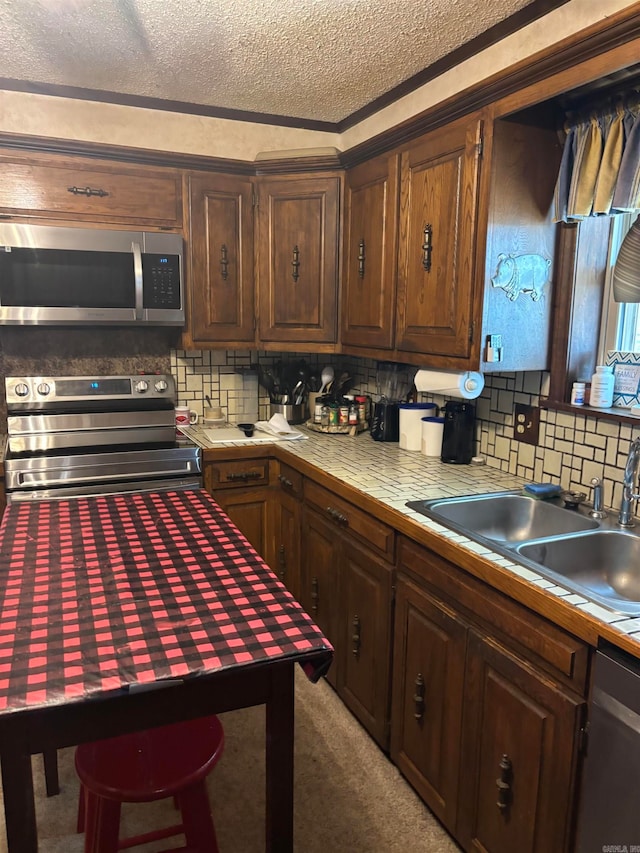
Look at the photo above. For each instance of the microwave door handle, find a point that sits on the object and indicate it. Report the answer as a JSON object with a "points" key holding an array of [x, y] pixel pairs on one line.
{"points": [[137, 275]]}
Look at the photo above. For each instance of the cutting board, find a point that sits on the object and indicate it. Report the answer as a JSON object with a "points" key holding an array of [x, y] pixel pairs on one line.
{"points": [[221, 434]]}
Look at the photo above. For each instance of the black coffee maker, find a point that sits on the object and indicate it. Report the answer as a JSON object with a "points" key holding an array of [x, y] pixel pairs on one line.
{"points": [[458, 437]]}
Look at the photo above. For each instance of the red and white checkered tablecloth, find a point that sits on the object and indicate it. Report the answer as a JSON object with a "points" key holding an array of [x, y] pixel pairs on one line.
{"points": [[100, 593]]}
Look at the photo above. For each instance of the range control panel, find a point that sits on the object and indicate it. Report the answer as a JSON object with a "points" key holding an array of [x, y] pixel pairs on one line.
{"points": [[21, 390]]}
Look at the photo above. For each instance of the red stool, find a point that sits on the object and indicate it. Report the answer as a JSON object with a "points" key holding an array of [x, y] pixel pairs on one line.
{"points": [[170, 761]]}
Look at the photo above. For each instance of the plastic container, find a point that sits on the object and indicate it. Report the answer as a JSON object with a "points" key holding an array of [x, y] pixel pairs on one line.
{"points": [[411, 415], [432, 429], [602, 383], [577, 394]]}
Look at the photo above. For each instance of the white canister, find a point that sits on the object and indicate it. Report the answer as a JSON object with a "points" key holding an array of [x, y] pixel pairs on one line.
{"points": [[432, 430], [411, 415], [602, 383]]}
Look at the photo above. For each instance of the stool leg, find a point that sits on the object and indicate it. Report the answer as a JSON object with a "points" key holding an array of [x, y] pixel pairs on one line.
{"points": [[106, 828], [196, 819], [82, 808]]}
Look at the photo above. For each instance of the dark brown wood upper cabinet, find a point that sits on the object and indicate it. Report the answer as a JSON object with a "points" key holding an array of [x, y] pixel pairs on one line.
{"points": [[370, 247], [297, 258], [438, 221], [222, 277], [83, 190]]}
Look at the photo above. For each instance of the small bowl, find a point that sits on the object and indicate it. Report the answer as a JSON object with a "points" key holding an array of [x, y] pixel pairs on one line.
{"points": [[247, 429]]}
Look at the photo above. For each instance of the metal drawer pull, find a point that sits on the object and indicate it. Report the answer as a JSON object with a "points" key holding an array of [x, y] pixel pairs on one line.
{"points": [[286, 482], [314, 594], [427, 247], [356, 636], [418, 697], [295, 263], [244, 475], [282, 563], [224, 262], [503, 783], [337, 516], [361, 258], [88, 191]]}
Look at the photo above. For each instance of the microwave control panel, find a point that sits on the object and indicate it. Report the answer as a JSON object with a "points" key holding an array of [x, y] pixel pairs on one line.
{"points": [[161, 277]]}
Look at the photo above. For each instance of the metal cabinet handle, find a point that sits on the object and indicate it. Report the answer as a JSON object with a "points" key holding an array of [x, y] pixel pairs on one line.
{"points": [[314, 595], [355, 637], [361, 258], [224, 262], [286, 482], [418, 697], [337, 516], [282, 563], [244, 475], [295, 263], [88, 191], [503, 783], [427, 247]]}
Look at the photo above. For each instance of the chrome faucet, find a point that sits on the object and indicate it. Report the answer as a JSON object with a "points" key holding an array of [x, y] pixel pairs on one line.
{"points": [[625, 518]]}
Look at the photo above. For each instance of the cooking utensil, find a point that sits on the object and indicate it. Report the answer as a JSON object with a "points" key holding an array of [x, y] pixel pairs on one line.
{"points": [[247, 429], [327, 377]]}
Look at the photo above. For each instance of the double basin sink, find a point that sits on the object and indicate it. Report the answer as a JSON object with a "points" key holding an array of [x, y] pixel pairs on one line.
{"points": [[594, 557]]}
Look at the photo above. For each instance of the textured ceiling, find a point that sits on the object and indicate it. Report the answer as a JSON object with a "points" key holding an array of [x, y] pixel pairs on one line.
{"points": [[314, 59]]}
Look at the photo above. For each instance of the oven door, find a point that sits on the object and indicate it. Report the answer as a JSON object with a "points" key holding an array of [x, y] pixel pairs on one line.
{"points": [[42, 477]]}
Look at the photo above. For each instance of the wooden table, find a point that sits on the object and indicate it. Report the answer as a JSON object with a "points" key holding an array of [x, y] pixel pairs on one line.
{"points": [[124, 612]]}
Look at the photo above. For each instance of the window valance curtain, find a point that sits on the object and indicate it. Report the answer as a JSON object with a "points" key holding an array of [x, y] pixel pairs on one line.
{"points": [[600, 167]]}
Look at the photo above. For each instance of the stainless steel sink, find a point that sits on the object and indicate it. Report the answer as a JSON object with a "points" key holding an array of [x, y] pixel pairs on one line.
{"points": [[593, 557], [604, 565], [505, 517]]}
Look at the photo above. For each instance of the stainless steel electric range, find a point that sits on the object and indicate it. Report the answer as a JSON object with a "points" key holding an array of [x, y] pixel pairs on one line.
{"points": [[87, 435]]}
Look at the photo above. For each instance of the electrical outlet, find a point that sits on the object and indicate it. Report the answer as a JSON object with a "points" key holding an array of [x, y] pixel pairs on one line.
{"points": [[526, 425]]}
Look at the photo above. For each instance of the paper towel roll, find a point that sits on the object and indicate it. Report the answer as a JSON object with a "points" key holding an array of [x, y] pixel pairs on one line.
{"points": [[466, 384]]}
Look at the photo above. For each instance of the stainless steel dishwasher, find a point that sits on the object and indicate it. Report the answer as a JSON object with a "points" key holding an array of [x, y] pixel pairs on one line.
{"points": [[609, 816]]}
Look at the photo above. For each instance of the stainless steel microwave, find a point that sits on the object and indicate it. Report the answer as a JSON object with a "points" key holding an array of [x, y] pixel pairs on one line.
{"points": [[58, 276]]}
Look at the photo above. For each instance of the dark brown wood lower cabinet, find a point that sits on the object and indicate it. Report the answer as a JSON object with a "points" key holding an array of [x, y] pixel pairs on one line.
{"points": [[249, 509], [428, 681], [347, 590], [518, 755], [489, 742]]}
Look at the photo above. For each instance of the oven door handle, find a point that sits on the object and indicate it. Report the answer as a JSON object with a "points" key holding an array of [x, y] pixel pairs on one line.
{"points": [[138, 281]]}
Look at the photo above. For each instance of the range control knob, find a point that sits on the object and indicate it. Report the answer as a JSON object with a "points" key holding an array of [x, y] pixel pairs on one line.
{"points": [[21, 389], [160, 386], [43, 388], [141, 386]]}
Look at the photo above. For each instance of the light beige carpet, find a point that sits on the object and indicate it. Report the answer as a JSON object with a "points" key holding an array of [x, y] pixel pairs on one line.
{"points": [[348, 799]]}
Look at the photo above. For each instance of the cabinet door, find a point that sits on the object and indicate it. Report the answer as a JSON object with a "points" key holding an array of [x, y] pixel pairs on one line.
{"points": [[87, 190], [519, 756], [371, 227], [365, 638], [222, 279], [297, 259], [438, 216], [249, 509], [319, 572], [288, 517], [428, 679]]}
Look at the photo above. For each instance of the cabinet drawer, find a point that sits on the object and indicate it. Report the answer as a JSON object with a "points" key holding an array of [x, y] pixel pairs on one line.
{"points": [[290, 480], [346, 516], [534, 638], [238, 473], [91, 192]]}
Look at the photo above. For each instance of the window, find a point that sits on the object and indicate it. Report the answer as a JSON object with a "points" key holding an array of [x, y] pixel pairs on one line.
{"points": [[620, 328]]}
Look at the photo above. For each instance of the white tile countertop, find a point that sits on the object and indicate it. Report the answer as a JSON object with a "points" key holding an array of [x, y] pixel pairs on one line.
{"points": [[393, 476]]}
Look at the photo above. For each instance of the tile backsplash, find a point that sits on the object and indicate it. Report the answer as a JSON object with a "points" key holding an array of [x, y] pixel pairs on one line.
{"points": [[572, 448]]}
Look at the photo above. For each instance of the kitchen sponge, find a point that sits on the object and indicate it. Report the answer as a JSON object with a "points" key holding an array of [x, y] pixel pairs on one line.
{"points": [[543, 490]]}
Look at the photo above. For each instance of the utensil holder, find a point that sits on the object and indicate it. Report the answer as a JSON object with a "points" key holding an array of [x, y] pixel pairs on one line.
{"points": [[294, 414]]}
